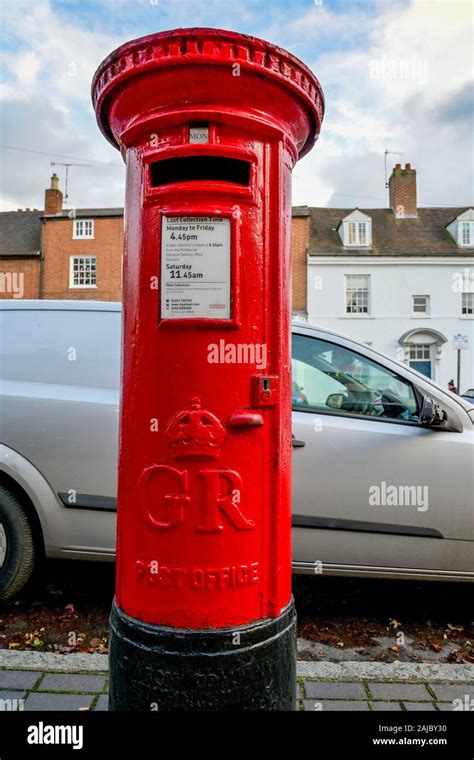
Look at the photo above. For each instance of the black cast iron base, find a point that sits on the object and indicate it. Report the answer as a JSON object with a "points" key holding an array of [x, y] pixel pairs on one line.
{"points": [[230, 669]]}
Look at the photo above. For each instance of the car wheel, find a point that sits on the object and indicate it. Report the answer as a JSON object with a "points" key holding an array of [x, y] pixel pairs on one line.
{"points": [[17, 548]]}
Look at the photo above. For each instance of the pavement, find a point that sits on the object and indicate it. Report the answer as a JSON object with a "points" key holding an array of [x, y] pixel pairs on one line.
{"points": [[33, 681]]}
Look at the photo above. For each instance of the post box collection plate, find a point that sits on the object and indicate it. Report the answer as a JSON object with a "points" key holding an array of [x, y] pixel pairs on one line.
{"points": [[195, 267], [203, 617]]}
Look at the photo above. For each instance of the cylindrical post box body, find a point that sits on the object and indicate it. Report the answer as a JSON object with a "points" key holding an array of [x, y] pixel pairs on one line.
{"points": [[210, 124]]}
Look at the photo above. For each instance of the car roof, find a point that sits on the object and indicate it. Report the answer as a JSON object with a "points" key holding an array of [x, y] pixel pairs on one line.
{"points": [[12, 304]]}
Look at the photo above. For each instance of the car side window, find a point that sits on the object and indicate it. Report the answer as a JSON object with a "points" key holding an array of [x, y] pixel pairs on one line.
{"points": [[61, 347], [328, 377]]}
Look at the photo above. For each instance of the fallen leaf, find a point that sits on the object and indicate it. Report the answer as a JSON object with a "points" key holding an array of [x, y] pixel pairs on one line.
{"points": [[460, 657]]}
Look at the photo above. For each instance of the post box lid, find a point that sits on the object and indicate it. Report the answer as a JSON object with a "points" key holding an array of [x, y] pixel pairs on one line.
{"points": [[198, 46]]}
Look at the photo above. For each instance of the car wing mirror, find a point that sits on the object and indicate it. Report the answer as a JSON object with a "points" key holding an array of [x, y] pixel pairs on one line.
{"points": [[431, 413], [335, 400]]}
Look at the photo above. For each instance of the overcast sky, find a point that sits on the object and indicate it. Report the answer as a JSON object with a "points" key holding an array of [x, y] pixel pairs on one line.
{"points": [[397, 76]]}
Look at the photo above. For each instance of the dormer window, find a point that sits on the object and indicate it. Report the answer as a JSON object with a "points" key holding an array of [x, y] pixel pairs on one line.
{"points": [[357, 233], [356, 230], [461, 229]]}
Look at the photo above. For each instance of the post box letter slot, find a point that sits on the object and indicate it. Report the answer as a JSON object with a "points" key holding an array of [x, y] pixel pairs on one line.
{"points": [[192, 168]]}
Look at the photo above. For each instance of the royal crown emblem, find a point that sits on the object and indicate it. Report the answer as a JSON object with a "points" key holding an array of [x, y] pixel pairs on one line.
{"points": [[195, 432]]}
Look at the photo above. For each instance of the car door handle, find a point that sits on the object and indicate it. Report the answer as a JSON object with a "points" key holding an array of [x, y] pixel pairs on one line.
{"points": [[296, 443]]}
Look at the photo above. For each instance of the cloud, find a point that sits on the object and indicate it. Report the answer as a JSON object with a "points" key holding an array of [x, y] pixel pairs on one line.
{"points": [[396, 93], [26, 175], [458, 108], [395, 75], [52, 51]]}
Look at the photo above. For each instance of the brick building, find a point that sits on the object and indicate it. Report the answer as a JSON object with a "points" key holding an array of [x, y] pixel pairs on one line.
{"points": [[81, 250], [61, 253], [20, 253], [299, 259]]}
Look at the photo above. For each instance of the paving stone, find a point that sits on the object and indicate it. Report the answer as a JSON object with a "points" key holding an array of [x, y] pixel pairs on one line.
{"points": [[61, 702], [333, 704], [447, 692], [340, 690], [102, 703], [71, 682], [18, 679], [378, 706], [5, 694], [389, 691], [419, 706]]}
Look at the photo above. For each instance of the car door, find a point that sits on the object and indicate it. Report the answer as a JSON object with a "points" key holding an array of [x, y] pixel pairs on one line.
{"points": [[60, 376], [373, 488]]}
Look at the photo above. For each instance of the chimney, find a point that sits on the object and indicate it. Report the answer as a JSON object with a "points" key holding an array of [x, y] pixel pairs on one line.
{"points": [[402, 191], [53, 197]]}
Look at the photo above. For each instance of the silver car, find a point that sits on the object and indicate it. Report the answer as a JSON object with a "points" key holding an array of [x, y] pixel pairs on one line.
{"points": [[383, 458]]}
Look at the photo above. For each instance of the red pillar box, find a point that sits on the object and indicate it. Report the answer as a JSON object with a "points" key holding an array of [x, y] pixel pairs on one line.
{"points": [[210, 124]]}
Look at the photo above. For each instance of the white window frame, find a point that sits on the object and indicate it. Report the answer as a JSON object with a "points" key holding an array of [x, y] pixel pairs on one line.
{"points": [[348, 278], [426, 310], [357, 234], [419, 352], [462, 228], [83, 229], [74, 285], [467, 302]]}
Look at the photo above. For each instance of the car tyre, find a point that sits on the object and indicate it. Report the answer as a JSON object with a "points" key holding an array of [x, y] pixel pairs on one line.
{"points": [[19, 558]]}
